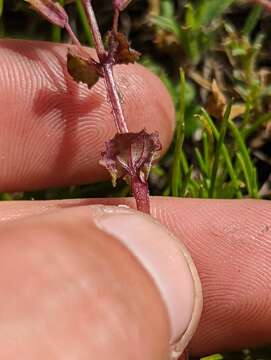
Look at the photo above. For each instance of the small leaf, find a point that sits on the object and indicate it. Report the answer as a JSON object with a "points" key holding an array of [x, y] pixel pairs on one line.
{"points": [[131, 154], [119, 46], [237, 110], [82, 69], [51, 10], [121, 4], [216, 102]]}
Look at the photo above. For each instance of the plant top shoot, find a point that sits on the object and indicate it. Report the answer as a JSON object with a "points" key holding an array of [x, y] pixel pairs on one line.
{"points": [[128, 155]]}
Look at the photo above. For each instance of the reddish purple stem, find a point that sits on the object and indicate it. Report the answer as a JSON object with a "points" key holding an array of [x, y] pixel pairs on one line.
{"points": [[139, 189], [141, 193], [114, 99], [72, 35], [107, 69]]}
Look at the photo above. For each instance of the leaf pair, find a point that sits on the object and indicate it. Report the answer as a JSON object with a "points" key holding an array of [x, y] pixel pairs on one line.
{"points": [[128, 156], [84, 69], [131, 154]]}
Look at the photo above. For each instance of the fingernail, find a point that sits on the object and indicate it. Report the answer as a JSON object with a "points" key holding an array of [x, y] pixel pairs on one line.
{"points": [[166, 260]]}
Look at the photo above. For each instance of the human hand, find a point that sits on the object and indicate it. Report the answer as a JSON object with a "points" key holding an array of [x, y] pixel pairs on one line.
{"points": [[51, 134]]}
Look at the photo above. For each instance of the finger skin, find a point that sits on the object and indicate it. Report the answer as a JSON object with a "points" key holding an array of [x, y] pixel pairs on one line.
{"points": [[52, 130], [230, 242], [64, 294]]}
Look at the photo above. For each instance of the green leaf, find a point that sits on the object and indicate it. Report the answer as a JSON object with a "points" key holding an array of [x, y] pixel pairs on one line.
{"points": [[210, 10], [263, 119], [56, 30], [201, 162], [190, 18], [176, 166], [218, 150], [225, 153], [1, 7], [167, 8], [213, 357], [252, 20], [84, 20], [83, 70], [166, 24], [245, 161]]}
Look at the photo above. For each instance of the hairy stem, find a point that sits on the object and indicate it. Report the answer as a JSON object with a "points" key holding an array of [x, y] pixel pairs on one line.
{"points": [[114, 99], [72, 35], [116, 20], [99, 46], [139, 188], [141, 194], [107, 67]]}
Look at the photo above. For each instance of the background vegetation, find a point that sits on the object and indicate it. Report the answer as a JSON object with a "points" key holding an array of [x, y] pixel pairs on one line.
{"points": [[222, 95]]}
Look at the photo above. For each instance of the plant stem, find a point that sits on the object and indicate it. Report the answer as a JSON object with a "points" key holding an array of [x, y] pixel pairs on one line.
{"points": [[99, 46], [72, 35], [141, 194], [139, 188], [107, 67], [114, 98], [116, 20], [84, 22]]}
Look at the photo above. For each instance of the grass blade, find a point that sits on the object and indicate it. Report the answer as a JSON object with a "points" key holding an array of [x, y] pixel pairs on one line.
{"points": [[252, 20], [1, 7], [221, 139], [211, 9], [84, 22], [206, 150], [201, 162], [186, 180], [225, 153], [176, 166], [56, 30], [245, 160], [263, 119], [245, 171]]}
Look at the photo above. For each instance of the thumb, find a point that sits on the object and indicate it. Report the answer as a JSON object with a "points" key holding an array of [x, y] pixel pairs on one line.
{"points": [[88, 281], [168, 263]]}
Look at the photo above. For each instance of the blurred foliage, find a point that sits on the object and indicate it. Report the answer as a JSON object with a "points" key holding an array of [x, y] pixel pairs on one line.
{"points": [[222, 95], [224, 59], [197, 31]]}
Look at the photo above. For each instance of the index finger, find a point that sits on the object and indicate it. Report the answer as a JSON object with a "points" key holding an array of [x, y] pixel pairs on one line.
{"points": [[53, 130]]}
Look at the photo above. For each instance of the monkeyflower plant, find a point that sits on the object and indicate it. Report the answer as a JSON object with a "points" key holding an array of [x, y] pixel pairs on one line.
{"points": [[128, 155]]}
